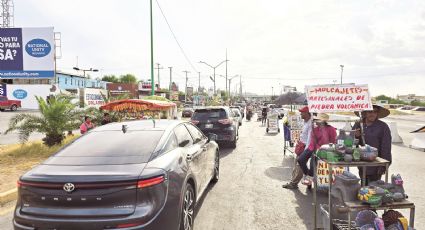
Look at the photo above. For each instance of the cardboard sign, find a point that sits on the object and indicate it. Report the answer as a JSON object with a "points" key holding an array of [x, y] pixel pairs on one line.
{"points": [[338, 98], [323, 174]]}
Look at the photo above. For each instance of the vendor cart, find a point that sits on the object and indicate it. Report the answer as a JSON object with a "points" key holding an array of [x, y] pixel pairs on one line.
{"points": [[272, 122]]}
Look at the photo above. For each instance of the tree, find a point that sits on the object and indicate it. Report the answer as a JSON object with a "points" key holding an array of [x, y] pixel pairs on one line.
{"points": [[110, 78], [389, 99], [58, 115], [128, 78]]}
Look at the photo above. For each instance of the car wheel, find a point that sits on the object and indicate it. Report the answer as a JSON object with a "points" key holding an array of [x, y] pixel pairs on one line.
{"points": [[188, 208], [2, 110], [13, 108], [216, 168], [267, 130], [233, 143]]}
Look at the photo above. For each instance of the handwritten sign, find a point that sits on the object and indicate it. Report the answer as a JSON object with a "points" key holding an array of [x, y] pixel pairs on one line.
{"points": [[323, 174], [338, 98]]}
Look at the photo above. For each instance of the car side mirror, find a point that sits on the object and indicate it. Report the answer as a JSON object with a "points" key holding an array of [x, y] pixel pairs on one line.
{"points": [[184, 143], [212, 137]]}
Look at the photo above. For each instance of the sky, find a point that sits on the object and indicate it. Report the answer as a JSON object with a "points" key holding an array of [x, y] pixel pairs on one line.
{"points": [[269, 43]]}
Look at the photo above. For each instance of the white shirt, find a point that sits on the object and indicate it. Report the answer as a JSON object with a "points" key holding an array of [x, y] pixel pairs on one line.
{"points": [[306, 132]]}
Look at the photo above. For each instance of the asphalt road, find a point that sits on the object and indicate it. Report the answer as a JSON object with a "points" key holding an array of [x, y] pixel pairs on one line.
{"points": [[13, 137], [249, 193]]}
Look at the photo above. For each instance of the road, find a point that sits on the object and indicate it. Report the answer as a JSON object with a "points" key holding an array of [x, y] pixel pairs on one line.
{"points": [[249, 193], [13, 137]]}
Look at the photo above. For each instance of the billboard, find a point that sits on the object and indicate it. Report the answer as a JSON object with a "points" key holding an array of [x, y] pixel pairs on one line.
{"points": [[338, 98], [3, 91], [26, 93], [93, 97], [26, 53]]}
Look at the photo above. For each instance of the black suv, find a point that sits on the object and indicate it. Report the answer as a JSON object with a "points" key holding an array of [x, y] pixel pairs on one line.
{"points": [[217, 120]]}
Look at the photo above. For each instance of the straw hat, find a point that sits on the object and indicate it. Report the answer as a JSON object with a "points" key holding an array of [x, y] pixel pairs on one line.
{"points": [[382, 112], [322, 117]]}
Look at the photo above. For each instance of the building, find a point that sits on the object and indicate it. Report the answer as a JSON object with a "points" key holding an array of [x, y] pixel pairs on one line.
{"points": [[411, 97]]}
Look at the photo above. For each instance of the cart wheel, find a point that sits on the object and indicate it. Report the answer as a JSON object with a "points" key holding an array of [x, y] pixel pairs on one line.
{"points": [[278, 130], [267, 130]]}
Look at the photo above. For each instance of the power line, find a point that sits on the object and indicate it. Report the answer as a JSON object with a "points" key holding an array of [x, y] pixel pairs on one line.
{"points": [[175, 38]]}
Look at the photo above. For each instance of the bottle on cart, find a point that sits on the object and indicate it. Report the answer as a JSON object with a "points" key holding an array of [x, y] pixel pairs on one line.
{"points": [[341, 137]]}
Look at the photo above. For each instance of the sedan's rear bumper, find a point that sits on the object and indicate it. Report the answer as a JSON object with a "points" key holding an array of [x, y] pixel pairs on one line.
{"points": [[229, 135]]}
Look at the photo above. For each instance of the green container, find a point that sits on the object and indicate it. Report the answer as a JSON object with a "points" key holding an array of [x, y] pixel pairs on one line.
{"points": [[356, 154], [333, 157]]}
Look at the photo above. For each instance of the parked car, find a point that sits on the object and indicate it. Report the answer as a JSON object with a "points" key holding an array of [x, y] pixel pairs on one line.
{"points": [[187, 112], [130, 175], [241, 109], [217, 120], [237, 114], [419, 109], [5, 103]]}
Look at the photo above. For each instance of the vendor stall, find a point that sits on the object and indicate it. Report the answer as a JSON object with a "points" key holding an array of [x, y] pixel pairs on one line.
{"points": [[346, 194], [142, 109]]}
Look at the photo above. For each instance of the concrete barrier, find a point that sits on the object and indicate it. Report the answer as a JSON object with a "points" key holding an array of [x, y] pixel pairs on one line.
{"points": [[418, 141], [396, 138], [8, 196]]}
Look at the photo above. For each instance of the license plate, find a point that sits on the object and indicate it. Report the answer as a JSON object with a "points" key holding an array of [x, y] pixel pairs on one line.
{"points": [[208, 126]]}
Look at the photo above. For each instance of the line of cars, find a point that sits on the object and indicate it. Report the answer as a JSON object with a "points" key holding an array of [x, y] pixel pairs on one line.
{"points": [[129, 175]]}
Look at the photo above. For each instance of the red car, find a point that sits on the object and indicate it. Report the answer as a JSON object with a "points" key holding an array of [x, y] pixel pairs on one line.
{"points": [[5, 103]]}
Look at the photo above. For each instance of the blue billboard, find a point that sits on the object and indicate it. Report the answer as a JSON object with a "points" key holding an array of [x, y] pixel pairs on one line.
{"points": [[3, 91], [26, 53]]}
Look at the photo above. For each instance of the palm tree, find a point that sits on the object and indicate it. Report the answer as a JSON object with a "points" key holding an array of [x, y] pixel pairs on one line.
{"points": [[58, 115]]}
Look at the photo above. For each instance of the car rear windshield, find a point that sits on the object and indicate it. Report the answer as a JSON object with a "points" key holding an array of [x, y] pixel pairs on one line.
{"points": [[114, 144], [209, 114]]}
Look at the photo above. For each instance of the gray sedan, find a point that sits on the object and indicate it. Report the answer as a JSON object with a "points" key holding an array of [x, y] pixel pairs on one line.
{"points": [[130, 175]]}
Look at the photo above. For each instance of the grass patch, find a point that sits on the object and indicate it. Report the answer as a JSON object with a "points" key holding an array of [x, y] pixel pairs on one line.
{"points": [[16, 159]]}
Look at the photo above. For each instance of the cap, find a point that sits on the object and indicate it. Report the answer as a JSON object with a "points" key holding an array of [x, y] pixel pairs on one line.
{"points": [[304, 109]]}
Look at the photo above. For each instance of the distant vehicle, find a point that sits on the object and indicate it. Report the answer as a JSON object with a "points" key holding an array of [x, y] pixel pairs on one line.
{"points": [[187, 112], [406, 108], [241, 109], [5, 103], [121, 182], [271, 106], [419, 109], [217, 120], [281, 112], [237, 114]]}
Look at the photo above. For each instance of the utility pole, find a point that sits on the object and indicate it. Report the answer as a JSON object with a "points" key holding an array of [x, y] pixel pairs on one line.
{"points": [[226, 70], [185, 90], [240, 86], [342, 70], [159, 68], [213, 67], [199, 82], [171, 70], [152, 77]]}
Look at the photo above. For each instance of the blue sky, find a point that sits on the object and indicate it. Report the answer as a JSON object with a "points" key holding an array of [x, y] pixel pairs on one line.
{"points": [[270, 43]]}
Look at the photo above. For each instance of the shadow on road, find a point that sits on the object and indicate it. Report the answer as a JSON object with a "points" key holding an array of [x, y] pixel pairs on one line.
{"points": [[201, 201], [225, 150]]}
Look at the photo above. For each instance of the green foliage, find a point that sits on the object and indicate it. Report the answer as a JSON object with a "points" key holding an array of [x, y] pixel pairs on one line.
{"points": [[417, 103], [110, 78], [154, 97], [390, 100], [58, 115], [128, 78]]}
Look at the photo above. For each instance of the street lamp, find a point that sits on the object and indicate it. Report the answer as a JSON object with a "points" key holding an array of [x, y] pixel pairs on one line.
{"points": [[85, 70], [342, 70], [213, 67], [228, 79]]}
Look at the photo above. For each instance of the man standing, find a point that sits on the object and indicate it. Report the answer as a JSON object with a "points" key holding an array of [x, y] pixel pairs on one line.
{"points": [[106, 119], [376, 134], [297, 173]]}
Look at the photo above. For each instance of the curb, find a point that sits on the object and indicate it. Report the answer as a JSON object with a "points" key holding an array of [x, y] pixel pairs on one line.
{"points": [[8, 196]]}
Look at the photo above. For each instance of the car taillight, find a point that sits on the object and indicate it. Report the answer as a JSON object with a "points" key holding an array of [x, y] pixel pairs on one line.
{"points": [[195, 122], [128, 225], [225, 121], [150, 182]]}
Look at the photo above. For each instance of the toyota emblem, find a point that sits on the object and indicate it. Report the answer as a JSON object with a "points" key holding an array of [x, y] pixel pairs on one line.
{"points": [[69, 187]]}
